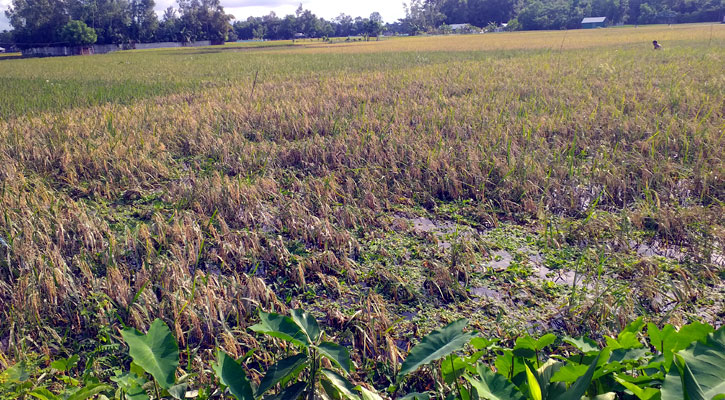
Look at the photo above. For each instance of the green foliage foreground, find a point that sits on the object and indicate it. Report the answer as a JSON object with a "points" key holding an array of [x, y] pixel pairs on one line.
{"points": [[646, 364]]}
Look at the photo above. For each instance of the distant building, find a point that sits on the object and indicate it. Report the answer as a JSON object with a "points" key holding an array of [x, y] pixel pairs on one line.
{"points": [[2, 49], [593, 22], [457, 27]]}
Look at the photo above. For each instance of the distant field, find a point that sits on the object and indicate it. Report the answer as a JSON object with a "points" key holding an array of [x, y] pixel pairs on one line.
{"points": [[568, 181]]}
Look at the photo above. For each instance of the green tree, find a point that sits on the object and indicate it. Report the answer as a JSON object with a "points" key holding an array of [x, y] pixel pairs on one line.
{"points": [[144, 21], [37, 22], [373, 25], [77, 33]]}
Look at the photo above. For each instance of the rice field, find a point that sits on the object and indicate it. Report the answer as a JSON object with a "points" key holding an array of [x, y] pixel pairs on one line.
{"points": [[532, 181]]}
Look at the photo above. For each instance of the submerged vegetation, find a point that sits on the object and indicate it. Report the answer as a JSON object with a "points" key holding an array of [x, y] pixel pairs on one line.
{"points": [[566, 182]]}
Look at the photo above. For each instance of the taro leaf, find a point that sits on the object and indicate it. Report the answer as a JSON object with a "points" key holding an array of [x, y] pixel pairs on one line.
{"points": [[633, 327], [544, 374], [44, 394], [625, 340], [292, 392], [577, 390], [668, 341], [525, 347], [545, 340], [88, 391], [437, 344], [693, 390], [308, 323], [279, 371], [584, 344], [628, 355], [569, 373], [65, 364], [642, 393], [156, 352], [662, 340], [672, 386], [281, 327], [232, 375], [452, 367], [340, 383], [132, 384], [507, 365], [336, 353], [178, 391], [533, 384], [704, 366], [493, 386], [415, 396], [17, 373], [368, 394], [480, 343]]}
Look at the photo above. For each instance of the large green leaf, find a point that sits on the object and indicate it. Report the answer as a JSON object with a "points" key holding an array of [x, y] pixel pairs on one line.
{"points": [[577, 390], [281, 370], [584, 344], [281, 327], [292, 392], [452, 367], [544, 374], [642, 393], [178, 391], [545, 340], [367, 394], [44, 394], [507, 365], [132, 384], [672, 386], [340, 383], [338, 354], [569, 373], [308, 323], [533, 384], [437, 344], [493, 386], [156, 352], [525, 347], [232, 375], [83, 393], [669, 341], [704, 368]]}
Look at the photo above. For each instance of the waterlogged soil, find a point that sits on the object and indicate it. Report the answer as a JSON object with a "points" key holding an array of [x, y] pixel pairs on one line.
{"points": [[426, 270]]}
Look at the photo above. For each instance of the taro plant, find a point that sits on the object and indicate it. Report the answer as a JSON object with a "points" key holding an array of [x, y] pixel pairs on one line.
{"points": [[434, 346], [157, 354], [303, 374]]}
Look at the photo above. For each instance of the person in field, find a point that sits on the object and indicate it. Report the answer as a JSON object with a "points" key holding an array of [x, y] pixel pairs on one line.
{"points": [[656, 45]]}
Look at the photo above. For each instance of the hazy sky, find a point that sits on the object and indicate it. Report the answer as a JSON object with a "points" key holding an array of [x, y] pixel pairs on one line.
{"points": [[4, 21], [391, 10]]}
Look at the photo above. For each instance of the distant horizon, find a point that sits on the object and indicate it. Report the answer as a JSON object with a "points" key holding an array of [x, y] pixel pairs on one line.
{"points": [[242, 9]]}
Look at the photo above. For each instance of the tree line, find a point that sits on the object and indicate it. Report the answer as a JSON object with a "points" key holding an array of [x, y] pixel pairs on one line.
{"points": [[422, 15], [78, 22], [303, 23], [58, 22]]}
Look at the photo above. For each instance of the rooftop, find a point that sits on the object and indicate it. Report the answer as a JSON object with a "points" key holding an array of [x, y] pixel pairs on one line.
{"points": [[591, 20]]}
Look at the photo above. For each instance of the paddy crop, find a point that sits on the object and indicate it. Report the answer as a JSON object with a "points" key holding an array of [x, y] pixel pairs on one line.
{"points": [[388, 186]]}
